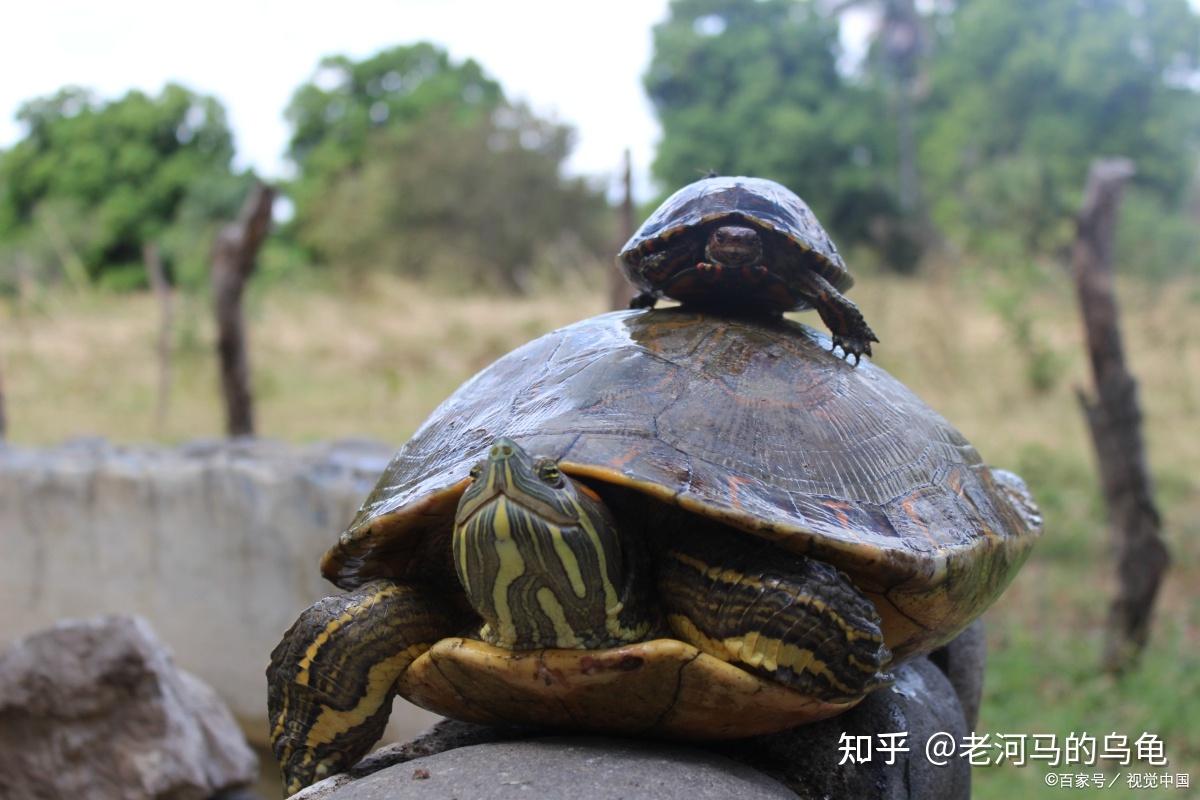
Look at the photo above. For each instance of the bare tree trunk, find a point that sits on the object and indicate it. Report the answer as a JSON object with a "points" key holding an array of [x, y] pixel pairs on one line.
{"points": [[162, 290], [620, 291], [234, 258], [1114, 417], [903, 44]]}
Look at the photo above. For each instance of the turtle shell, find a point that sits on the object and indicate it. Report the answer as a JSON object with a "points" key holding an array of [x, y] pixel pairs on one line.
{"points": [[757, 202], [751, 423]]}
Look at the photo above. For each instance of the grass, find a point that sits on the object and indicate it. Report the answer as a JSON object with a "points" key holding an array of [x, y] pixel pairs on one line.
{"points": [[330, 362]]}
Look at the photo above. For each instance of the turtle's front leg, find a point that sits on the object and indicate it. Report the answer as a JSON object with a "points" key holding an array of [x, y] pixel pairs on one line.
{"points": [[796, 620], [332, 679], [850, 331]]}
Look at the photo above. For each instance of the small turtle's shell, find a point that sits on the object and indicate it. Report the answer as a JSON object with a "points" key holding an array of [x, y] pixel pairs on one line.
{"points": [[769, 206], [751, 423]]}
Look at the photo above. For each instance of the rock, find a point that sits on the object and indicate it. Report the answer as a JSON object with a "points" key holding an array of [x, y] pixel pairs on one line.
{"points": [[921, 703], [805, 760], [963, 661], [216, 543], [97, 709], [584, 767]]}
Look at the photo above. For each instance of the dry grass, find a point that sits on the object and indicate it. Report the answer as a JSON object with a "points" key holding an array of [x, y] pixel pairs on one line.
{"points": [[375, 362], [326, 365]]}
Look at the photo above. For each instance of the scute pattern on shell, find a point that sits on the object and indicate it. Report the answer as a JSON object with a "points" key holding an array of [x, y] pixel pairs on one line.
{"points": [[758, 201], [754, 423]]}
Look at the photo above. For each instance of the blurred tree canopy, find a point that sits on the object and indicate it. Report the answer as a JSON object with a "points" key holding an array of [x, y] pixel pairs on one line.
{"points": [[1023, 94], [91, 182], [1008, 100], [967, 121], [336, 115], [411, 162], [753, 87]]}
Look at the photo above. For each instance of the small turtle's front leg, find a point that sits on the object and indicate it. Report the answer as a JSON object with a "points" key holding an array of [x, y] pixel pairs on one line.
{"points": [[332, 679], [850, 331], [643, 300]]}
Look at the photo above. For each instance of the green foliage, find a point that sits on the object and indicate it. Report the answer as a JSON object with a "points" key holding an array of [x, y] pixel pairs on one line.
{"points": [[92, 181], [212, 200], [753, 87], [416, 164], [336, 116], [477, 203], [1009, 287], [1155, 240], [1023, 94]]}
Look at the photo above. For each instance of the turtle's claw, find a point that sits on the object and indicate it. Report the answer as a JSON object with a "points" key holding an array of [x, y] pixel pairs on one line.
{"points": [[851, 346]]}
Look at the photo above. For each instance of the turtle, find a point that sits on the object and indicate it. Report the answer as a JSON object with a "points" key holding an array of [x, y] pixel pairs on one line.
{"points": [[745, 243], [653, 522]]}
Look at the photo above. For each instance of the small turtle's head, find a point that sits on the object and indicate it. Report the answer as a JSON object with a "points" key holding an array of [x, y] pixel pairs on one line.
{"points": [[540, 558], [734, 246]]}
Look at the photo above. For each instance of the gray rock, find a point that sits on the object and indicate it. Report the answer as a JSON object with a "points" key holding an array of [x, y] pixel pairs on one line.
{"points": [[90, 527], [806, 760], [97, 709], [809, 759], [554, 767], [963, 661]]}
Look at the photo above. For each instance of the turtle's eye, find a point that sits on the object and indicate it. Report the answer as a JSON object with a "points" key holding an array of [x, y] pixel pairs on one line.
{"points": [[476, 471], [548, 471]]}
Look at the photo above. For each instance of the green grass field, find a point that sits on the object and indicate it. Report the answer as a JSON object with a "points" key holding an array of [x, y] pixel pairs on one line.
{"points": [[1003, 367]]}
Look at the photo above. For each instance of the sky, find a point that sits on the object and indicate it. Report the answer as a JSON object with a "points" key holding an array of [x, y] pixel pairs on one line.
{"points": [[578, 63]]}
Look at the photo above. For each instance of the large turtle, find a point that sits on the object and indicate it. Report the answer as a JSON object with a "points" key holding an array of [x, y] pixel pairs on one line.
{"points": [[744, 243], [656, 522]]}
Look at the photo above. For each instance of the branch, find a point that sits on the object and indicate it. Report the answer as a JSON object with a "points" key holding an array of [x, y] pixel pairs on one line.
{"points": [[234, 257], [1114, 418]]}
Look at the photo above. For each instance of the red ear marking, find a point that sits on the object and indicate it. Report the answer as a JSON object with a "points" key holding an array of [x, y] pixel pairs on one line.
{"points": [[588, 491]]}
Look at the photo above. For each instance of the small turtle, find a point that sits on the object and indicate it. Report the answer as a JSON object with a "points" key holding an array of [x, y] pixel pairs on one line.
{"points": [[747, 243], [653, 522]]}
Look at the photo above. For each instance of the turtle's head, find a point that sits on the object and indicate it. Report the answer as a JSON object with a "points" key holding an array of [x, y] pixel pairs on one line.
{"points": [[540, 557], [734, 245], [510, 476]]}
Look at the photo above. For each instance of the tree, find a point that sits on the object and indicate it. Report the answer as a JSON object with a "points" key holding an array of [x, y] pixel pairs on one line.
{"points": [[411, 162], [335, 117], [898, 45], [91, 181], [753, 87], [1024, 93], [464, 204]]}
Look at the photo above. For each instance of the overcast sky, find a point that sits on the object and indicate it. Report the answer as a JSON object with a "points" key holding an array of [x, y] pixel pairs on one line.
{"points": [[580, 63]]}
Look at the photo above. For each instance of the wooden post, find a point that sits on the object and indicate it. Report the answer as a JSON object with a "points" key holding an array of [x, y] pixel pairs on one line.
{"points": [[620, 291], [1114, 416], [234, 258], [162, 290]]}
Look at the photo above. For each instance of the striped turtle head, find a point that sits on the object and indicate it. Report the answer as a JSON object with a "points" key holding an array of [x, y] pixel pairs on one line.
{"points": [[541, 559]]}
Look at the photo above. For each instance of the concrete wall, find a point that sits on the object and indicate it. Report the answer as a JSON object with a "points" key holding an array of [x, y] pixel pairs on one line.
{"points": [[216, 543]]}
